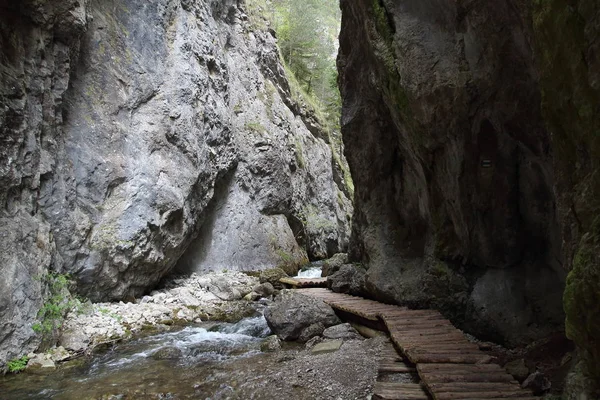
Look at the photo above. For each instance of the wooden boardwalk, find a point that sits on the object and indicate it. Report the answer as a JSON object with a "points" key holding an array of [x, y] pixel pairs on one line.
{"points": [[304, 282], [450, 366]]}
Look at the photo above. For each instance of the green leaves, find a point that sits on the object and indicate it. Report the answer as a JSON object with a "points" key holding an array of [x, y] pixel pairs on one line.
{"points": [[58, 303], [307, 33], [17, 365]]}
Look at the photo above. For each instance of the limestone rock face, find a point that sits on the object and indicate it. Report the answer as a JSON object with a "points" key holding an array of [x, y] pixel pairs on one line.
{"points": [[451, 160], [132, 131]]}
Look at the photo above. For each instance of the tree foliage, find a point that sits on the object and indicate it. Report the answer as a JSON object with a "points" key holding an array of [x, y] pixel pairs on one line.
{"points": [[307, 33]]}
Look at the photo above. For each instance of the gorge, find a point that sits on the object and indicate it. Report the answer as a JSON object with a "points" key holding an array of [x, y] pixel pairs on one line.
{"points": [[141, 139]]}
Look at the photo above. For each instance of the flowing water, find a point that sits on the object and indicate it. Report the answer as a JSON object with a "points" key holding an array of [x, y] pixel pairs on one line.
{"points": [[312, 271], [195, 362]]}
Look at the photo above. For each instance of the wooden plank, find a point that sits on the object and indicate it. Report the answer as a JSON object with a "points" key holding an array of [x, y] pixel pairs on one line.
{"points": [[449, 358], [399, 391], [503, 398], [479, 395], [466, 367], [467, 377], [395, 367], [464, 387]]}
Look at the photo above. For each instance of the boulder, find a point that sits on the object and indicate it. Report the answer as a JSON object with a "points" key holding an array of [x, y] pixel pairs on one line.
{"points": [[348, 279], [333, 264], [292, 312], [342, 331]]}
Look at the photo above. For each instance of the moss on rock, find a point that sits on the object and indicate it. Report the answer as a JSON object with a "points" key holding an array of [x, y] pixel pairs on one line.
{"points": [[571, 111]]}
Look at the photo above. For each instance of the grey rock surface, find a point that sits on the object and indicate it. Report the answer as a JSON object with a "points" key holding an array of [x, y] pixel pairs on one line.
{"points": [[134, 131], [451, 160], [348, 279], [342, 331], [292, 313], [331, 265], [327, 346]]}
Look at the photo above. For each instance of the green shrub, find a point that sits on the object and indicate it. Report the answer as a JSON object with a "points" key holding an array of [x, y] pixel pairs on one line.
{"points": [[57, 305], [17, 365]]}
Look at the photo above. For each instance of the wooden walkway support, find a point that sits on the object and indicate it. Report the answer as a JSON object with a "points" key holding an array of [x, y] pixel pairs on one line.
{"points": [[304, 282], [449, 366]]}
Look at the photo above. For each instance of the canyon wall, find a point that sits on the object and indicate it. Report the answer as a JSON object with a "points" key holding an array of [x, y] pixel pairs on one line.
{"points": [[137, 133], [470, 130], [568, 50]]}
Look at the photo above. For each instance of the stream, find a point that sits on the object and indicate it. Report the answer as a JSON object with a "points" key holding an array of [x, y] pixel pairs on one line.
{"points": [[206, 361], [193, 362]]}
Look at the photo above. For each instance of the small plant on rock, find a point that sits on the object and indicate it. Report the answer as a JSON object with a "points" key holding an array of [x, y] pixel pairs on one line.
{"points": [[57, 305], [17, 365]]}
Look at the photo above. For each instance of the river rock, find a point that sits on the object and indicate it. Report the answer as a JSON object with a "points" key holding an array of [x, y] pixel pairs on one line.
{"points": [[342, 331], [349, 279], [292, 312], [312, 342], [311, 331], [327, 346], [273, 276], [270, 344], [333, 264], [252, 296], [167, 353], [74, 339], [227, 286], [41, 362], [264, 289]]}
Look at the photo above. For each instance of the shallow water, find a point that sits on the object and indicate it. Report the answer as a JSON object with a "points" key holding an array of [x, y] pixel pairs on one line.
{"points": [[194, 362]]}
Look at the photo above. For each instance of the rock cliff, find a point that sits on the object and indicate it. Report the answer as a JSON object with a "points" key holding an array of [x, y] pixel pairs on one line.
{"points": [[133, 131], [451, 161], [471, 137]]}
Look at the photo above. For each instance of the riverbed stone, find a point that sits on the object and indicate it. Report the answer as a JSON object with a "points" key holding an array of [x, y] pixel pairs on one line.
{"points": [[270, 344], [252, 296], [292, 312], [343, 331], [328, 346], [265, 289], [272, 276], [167, 353], [311, 331], [41, 362]]}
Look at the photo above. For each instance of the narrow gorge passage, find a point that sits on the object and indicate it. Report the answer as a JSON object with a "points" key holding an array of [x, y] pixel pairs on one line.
{"points": [[168, 166]]}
